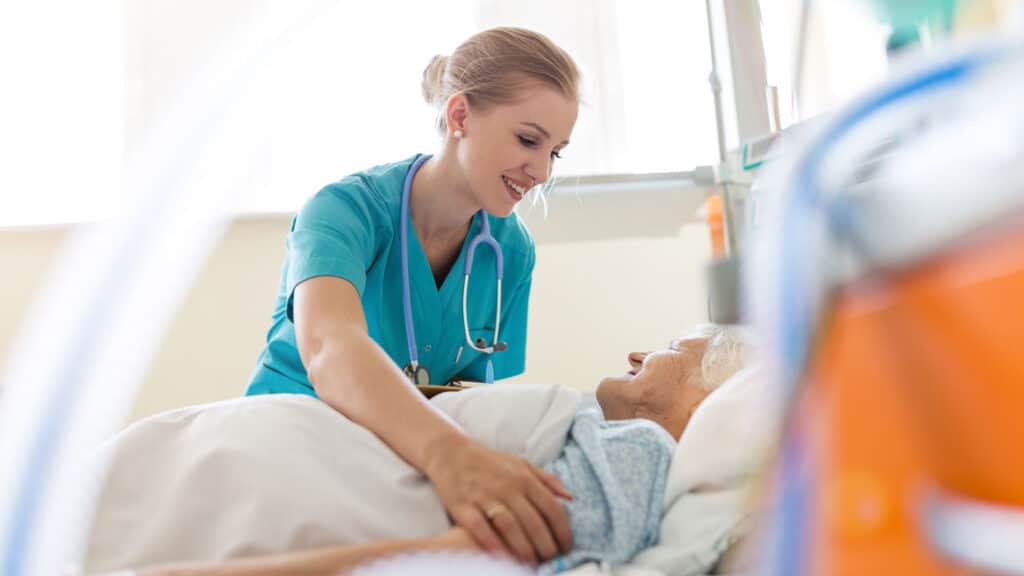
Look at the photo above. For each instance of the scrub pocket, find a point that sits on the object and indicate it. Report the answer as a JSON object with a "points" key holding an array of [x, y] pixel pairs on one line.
{"points": [[469, 356]]}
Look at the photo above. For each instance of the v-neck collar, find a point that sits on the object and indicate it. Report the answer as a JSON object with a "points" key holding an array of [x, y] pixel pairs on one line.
{"points": [[423, 279]]}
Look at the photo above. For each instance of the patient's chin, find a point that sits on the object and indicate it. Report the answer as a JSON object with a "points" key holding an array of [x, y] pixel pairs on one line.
{"points": [[602, 393], [442, 563], [611, 398], [608, 383]]}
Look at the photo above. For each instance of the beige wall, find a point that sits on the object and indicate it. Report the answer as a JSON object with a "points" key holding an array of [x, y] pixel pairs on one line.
{"points": [[593, 301], [25, 256]]}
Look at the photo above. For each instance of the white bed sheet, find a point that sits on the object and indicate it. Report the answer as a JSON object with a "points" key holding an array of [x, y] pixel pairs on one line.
{"points": [[270, 474]]}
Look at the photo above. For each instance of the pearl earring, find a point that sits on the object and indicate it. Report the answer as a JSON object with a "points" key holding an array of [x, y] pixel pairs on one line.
{"points": [[457, 134]]}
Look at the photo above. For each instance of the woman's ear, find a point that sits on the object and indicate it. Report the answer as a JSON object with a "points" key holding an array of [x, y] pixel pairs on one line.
{"points": [[456, 112]]}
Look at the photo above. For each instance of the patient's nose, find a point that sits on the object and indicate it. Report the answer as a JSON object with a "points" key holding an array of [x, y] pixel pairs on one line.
{"points": [[636, 359]]}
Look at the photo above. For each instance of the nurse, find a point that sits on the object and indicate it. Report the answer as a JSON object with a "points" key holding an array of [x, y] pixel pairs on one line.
{"points": [[507, 103]]}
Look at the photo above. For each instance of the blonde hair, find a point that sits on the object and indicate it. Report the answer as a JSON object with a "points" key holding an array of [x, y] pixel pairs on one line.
{"points": [[492, 66]]}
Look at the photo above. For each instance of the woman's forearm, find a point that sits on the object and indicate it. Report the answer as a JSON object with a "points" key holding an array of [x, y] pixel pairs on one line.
{"points": [[354, 375]]}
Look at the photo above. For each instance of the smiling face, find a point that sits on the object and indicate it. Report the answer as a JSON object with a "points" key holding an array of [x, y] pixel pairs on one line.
{"points": [[507, 149], [664, 386]]}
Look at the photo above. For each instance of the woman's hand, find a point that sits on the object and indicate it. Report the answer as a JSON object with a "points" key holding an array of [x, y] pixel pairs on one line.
{"points": [[504, 502]]}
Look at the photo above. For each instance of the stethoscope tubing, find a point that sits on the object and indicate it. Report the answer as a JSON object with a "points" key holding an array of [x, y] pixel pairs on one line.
{"points": [[485, 237], [410, 334]]}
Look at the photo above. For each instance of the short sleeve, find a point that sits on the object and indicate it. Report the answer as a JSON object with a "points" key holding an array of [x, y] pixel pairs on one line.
{"points": [[337, 233], [512, 361]]}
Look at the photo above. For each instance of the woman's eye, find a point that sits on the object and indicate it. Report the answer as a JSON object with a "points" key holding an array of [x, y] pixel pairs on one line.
{"points": [[528, 142], [556, 154]]}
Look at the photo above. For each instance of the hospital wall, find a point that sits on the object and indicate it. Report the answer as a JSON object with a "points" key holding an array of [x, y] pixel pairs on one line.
{"points": [[606, 282]]}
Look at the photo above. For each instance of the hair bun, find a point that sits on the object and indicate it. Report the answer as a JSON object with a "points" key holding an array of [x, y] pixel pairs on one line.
{"points": [[433, 78]]}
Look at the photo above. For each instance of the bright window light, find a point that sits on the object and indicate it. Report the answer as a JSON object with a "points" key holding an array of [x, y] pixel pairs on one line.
{"points": [[844, 54], [337, 90], [61, 110]]}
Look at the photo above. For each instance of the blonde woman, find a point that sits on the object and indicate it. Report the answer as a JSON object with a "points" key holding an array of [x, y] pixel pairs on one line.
{"points": [[374, 295]]}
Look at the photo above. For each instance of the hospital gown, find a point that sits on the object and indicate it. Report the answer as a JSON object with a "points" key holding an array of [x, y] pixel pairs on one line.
{"points": [[616, 472]]}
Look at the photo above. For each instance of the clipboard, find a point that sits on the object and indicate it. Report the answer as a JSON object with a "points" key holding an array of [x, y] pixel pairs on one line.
{"points": [[431, 390]]}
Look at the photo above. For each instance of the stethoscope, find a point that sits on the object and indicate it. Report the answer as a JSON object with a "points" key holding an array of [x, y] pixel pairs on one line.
{"points": [[414, 370]]}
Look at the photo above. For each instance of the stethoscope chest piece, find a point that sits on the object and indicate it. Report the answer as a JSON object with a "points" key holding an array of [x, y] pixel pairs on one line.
{"points": [[418, 374]]}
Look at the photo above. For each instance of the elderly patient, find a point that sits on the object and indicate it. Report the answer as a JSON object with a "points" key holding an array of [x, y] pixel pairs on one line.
{"points": [[615, 463]]}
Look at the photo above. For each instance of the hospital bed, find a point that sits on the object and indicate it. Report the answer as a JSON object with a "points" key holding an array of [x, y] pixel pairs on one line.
{"points": [[230, 466]]}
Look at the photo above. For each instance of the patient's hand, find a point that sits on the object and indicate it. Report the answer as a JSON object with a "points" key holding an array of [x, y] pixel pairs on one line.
{"points": [[456, 538], [503, 501]]}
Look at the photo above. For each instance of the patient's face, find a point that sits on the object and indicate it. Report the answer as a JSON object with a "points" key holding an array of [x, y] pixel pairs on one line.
{"points": [[662, 386]]}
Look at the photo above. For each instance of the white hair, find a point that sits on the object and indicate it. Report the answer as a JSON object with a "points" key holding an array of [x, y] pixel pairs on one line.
{"points": [[726, 353]]}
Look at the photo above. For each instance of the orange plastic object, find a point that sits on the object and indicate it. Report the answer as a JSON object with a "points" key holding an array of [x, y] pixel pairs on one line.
{"points": [[716, 223], [918, 382]]}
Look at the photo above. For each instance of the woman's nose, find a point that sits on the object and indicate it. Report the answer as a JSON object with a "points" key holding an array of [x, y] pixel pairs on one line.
{"points": [[534, 175], [636, 358], [539, 170]]}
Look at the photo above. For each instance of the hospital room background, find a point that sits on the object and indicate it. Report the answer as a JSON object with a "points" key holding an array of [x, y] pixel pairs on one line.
{"points": [[620, 264], [622, 244], [682, 102]]}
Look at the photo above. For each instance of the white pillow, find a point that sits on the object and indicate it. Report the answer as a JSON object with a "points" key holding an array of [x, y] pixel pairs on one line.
{"points": [[728, 435], [707, 496]]}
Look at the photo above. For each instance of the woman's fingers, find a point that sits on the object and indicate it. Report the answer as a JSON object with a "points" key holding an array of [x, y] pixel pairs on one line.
{"points": [[473, 520], [507, 522], [536, 528], [552, 482], [554, 515], [504, 502]]}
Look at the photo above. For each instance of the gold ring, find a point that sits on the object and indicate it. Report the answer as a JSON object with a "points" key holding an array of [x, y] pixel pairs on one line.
{"points": [[492, 512]]}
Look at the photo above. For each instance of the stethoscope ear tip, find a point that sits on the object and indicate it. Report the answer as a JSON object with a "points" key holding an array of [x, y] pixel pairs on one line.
{"points": [[500, 347]]}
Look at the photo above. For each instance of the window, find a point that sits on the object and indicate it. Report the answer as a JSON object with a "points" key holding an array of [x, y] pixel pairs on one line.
{"points": [[337, 87], [844, 54], [61, 111]]}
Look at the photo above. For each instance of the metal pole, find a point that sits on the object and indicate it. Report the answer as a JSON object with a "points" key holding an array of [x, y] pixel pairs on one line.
{"points": [[723, 155]]}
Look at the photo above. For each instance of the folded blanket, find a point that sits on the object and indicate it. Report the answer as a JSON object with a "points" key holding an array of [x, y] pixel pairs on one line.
{"points": [[616, 472]]}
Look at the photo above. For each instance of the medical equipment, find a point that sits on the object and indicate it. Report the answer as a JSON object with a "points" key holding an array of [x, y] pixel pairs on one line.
{"points": [[890, 286], [416, 372]]}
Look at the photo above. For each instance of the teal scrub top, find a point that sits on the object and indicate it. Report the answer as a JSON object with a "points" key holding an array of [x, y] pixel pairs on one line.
{"points": [[350, 229]]}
